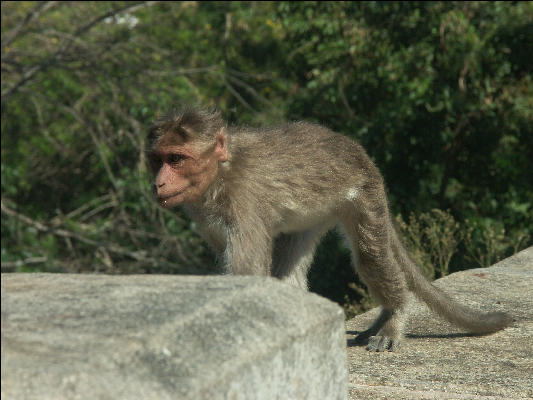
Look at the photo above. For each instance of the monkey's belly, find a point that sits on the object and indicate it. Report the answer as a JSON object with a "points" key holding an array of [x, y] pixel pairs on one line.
{"points": [[302, 220]]}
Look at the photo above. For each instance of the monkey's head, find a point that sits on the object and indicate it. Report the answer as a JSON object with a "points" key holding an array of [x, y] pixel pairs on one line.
{"points": [[184, 151]]}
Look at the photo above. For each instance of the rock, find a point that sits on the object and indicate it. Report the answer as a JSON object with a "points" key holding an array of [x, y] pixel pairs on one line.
{"points": [[439, 361], [168, 337], [182, 337]]}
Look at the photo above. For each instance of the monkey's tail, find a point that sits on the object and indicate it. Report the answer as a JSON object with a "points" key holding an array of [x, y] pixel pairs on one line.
{"points": [[444, 305]]}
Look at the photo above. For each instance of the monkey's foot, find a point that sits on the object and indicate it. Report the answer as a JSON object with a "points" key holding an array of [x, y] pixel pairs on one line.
{"points": [[382, 343], [363, 337]]}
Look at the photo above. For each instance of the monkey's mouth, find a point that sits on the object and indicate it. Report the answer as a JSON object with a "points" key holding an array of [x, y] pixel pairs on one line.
{"points": [[169, 201]]}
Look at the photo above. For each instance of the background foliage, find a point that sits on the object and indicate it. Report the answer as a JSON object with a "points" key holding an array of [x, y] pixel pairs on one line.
{"points": [[440, 94]]}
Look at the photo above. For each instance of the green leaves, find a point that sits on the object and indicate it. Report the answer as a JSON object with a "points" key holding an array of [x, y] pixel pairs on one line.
{"points": [[440, 94]]}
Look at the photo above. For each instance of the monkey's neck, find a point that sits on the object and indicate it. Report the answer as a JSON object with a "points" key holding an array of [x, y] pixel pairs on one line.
{"points": [[215, 195]]}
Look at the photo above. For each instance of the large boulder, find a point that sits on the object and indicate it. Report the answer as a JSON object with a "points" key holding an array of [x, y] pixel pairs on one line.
{"points": [[168, 337]]}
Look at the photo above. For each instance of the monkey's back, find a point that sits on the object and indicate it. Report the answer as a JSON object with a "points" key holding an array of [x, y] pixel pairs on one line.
{"points": [[297, 169]]}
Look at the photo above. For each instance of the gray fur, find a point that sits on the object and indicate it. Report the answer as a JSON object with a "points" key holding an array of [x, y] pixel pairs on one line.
{"points": [[283, 188]]}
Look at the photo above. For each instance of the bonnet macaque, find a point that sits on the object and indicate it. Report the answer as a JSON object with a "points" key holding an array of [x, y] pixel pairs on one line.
{"points": [[263, 198]]}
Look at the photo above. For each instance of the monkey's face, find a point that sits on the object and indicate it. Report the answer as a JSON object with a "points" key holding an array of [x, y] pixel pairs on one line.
{"points": [[183, 172]]}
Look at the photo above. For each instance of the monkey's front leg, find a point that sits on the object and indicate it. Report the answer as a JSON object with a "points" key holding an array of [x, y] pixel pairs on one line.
{"points": [[248, 251]]}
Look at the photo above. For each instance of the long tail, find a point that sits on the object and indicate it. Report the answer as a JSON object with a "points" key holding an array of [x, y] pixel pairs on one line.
{"points": [[444, 305]]}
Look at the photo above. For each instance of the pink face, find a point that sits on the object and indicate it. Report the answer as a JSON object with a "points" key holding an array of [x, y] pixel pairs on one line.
{"points": [[182, 172]]}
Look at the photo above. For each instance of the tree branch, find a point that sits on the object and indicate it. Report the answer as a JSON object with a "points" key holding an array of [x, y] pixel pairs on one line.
{"points": [[8, 266], [59, 54], [34, 13], [136, 255]]}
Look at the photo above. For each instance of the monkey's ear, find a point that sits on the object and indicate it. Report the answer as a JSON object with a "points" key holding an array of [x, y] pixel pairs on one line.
{"points": [[221, 148]]}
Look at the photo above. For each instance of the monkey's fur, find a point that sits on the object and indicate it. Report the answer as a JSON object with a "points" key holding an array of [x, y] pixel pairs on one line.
{"points": [[267, 196]]}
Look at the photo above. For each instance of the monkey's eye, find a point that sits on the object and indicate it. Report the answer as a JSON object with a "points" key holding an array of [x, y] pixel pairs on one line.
{"points": [[175, 158]]}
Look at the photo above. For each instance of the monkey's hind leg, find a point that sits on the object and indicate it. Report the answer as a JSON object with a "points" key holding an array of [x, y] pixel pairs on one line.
{"points": [[390, 335], [368, 235], [381, 320]]}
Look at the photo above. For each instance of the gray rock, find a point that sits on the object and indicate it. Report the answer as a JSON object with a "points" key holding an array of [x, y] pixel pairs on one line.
{"points": [[439, 361], [168, 337], [162, 337]]}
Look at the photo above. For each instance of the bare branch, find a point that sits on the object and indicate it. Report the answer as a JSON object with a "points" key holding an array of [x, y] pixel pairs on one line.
{"points": [[235, 93], [184, 71], [113, 248], [34, 13], [59, 54], [249, 89], [23, 218], [344, 100], [96, 142], [8, 266]]}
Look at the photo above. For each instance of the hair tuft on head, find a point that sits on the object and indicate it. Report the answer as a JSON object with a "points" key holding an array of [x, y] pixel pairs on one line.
{"points": [[190, 122]]}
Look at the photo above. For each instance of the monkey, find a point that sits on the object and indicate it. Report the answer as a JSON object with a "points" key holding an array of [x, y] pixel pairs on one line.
{"points": [[263, 198]]}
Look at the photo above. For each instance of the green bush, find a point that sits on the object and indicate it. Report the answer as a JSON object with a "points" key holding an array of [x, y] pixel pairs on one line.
{"points": [[439, 93]]}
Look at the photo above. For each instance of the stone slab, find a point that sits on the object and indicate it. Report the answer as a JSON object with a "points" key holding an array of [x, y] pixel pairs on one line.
{"points": [[168, 337], [439, 361]]}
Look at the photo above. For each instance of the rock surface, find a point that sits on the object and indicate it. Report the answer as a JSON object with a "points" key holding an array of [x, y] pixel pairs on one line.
{"points": [[439, 361], [180, 337], [168, 337]]}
